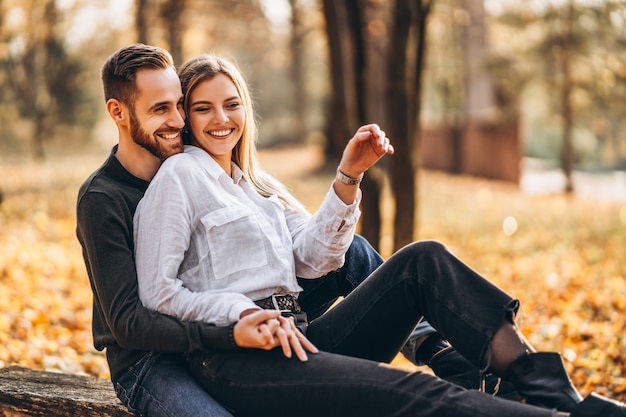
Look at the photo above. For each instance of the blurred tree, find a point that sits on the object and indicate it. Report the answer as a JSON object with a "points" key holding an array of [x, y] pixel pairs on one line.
{"points": [[41, 78], [239, 31], [403, 96], [141, 20], [161, 22], [172, 13], [444, 93], [607, 104], [342, 116], [362, 36], [575, 50], [297, 71], [567, 85], [397, 124], [345, 27]]}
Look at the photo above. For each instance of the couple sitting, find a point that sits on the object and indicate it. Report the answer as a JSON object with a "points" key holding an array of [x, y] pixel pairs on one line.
{"points": [[209, 286]]}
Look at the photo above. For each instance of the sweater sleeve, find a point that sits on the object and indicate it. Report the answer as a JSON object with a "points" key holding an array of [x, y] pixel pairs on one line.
{"points": [[105, 232]]}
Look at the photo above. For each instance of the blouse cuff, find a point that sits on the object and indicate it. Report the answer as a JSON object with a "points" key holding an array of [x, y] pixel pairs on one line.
{"points": [[339, 207]]}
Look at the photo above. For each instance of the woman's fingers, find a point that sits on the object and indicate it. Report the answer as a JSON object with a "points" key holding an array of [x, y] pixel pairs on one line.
{"points": [[293, 341], [306, 343], [283, 335], [267, 329]]}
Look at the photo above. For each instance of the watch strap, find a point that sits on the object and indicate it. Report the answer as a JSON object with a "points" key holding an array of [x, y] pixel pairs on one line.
{"points": [[347, 179]]}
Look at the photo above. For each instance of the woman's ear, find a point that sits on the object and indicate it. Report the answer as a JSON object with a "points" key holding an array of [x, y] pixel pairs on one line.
{"points": [[118, 111]]}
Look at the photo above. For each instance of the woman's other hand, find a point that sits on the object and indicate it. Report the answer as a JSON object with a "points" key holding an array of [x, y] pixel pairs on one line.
{"points": [[292, 340], [267, 329]]}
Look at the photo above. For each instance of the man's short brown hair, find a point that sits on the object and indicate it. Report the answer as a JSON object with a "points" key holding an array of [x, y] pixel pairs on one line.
{"points": [[120, 69]]}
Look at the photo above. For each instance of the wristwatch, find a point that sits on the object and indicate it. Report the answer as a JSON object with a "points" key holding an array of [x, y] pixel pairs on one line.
{"points": [[348, 180]]}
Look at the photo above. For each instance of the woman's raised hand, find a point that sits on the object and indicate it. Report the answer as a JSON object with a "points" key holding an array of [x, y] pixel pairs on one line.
{"points": [[366, 147]]}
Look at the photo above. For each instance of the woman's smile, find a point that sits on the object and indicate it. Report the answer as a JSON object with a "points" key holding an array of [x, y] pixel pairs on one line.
{"points": [[220, 133]]}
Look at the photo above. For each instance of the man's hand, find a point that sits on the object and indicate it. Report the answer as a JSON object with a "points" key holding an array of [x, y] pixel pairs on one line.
{"points": [[267, 329], [256, 328]]}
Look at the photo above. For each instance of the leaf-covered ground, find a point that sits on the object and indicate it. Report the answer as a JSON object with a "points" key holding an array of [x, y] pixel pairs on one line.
{"points": [[565, 258]]}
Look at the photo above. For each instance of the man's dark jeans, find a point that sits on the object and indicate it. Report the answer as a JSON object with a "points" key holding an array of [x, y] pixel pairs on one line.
{"points": [[370, 326]]}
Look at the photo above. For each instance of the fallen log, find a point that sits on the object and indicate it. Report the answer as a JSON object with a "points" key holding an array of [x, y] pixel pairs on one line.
{"points": [[26, 392]]}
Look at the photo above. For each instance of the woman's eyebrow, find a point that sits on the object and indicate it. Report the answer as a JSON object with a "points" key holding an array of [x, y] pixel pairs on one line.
{"points": [[202, 101]]}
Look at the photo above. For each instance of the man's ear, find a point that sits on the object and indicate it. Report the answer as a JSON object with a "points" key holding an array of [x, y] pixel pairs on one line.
{"points": [[118, 111]]}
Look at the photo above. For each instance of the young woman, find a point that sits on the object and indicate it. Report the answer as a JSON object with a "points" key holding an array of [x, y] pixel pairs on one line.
{"points": [[217, 239]]}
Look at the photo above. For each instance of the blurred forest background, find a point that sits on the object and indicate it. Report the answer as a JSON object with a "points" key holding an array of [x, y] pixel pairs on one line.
{"points": [[470, 86], [486, 91]]}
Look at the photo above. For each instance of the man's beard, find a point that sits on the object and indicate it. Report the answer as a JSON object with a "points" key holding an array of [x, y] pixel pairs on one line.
{"points": [[150, 143]]}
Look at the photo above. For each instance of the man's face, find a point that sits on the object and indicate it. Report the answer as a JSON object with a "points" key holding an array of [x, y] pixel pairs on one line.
{"points": [[157, 118]]}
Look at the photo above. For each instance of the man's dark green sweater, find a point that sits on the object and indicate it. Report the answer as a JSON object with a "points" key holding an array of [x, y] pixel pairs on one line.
{"points": [[106, 204]]}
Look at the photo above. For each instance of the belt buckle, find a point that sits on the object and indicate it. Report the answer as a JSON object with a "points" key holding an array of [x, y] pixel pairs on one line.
{"points": [[275, 298]]}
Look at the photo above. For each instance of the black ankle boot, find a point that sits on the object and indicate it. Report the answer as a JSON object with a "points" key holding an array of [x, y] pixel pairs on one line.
{"points": [[542, 380], [596, 406], [448, 364]]}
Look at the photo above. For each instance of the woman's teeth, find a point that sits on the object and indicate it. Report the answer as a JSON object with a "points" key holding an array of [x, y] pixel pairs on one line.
{"points": [[220, 133]]}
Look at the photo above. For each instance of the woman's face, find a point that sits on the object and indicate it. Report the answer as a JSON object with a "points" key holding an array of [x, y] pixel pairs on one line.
{"points": [[216, 118]]}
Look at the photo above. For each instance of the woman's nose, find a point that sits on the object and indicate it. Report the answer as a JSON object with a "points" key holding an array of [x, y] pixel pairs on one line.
{"points": [[220, 116]]}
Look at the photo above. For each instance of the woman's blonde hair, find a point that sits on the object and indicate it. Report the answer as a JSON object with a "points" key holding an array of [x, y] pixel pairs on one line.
{"points": [[206, 67]]}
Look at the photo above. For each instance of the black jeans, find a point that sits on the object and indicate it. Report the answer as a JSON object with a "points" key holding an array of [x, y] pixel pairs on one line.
{"points": [[423, 280]]}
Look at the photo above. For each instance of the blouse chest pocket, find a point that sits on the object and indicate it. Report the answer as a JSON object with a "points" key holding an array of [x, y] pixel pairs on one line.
{"points": [[235, 240]]}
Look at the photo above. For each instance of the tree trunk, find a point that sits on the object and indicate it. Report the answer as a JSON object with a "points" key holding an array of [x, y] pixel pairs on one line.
{"points": [[338, 129], [347, 67], [480, 104], [421, 10], [172, 12], [356, 21], [297, 70], [140, 20], [39, 130], [44, 61], [567, 153], [402, 170], [371, 220], [26, 392]]}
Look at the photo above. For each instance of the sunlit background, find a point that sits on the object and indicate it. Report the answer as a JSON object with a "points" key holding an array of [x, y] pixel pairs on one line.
{"points": [[502, 107], [552, 72]]}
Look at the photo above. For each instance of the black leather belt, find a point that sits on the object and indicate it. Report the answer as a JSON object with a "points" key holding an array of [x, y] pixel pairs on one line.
{"points": [[288, 305], [282, 302]]}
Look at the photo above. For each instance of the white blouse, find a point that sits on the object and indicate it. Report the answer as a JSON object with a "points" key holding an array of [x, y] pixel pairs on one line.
{"points": [[206, 244]]}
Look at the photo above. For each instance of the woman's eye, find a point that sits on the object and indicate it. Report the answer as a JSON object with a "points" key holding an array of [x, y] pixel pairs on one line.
{"points": [[233, 106], [202, 109]]}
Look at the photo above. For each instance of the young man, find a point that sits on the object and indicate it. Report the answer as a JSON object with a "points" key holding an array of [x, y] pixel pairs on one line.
{"points": [[145, 350]]}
